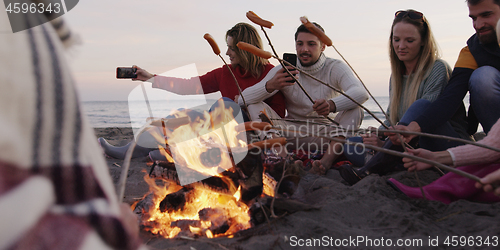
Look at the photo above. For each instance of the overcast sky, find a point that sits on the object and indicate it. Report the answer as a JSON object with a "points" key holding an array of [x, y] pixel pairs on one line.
{"points": [[161, 35]]}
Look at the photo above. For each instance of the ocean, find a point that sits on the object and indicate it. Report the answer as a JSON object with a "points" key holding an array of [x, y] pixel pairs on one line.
{"points": [[104, 114]]}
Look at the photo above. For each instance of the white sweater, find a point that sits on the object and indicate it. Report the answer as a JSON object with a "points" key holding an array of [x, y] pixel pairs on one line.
{"points": [[331, 71]]}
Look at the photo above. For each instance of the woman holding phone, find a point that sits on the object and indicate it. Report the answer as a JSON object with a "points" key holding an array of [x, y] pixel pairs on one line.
{"points": [[247, 68]]}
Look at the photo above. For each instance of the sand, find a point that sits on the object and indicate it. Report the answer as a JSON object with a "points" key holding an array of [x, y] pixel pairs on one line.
{"points": [[368, 215]]}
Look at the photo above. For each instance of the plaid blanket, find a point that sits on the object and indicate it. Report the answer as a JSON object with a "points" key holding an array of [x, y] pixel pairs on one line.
{"points": [[55, 188]]}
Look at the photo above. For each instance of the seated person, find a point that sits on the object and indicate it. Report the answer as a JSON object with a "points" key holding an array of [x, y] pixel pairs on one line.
{"points": [[310, 119], [418, 77], [476, 71]]}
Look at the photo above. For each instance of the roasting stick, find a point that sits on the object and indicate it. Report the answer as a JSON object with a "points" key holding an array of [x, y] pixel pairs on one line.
{"points": [[267, 126], [381, 131], [126, 163], [264, 23], [216, 50]]}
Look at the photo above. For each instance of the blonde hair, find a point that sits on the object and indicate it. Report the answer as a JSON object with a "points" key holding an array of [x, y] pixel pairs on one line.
{"points": [[428, 54], [248, 61]]}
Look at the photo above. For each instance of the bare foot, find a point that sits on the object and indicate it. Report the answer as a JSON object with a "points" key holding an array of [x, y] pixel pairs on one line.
{"points": [[296, 168], [317, 168]]}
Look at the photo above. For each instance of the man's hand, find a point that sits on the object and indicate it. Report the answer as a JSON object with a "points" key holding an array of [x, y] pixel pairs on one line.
{"points": [[324, 107], [372, 138], [412, 127], [142, 75], [280, 79]]}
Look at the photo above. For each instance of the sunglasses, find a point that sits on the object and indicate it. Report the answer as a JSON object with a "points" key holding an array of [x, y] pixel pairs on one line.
{"points": [[411, 14]]}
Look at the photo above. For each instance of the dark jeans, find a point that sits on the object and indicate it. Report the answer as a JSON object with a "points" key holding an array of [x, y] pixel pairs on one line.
{"points": [[356, 154], [484, 88]]}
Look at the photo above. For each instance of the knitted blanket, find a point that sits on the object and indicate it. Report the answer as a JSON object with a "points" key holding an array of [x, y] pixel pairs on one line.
{"points": [[55, 188]]}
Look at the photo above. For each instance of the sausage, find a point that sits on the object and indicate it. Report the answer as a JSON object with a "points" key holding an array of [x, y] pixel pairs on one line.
{"points": [[254, 50], [316, 31], [259, 21], [268, 143], [248, 126], [212, 43]]}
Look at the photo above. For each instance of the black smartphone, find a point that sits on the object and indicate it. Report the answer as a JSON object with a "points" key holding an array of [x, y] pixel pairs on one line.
{"points": [[291, 58], [126, 72]]}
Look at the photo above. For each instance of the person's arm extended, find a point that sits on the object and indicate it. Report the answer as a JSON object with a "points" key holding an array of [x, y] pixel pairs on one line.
{"points": [[181, 86], [443, 157], [452, 96], [441, 110]]}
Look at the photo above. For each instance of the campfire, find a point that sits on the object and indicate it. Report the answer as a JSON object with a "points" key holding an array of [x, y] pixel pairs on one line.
{"points": [[208, 181]]}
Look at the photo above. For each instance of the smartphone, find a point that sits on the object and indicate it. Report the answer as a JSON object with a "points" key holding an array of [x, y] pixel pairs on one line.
{"points": [[125, 72], [291, 58]]}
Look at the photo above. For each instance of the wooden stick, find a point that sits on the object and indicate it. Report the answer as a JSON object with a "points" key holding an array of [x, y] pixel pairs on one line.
{"points": [[440, 137], [126, 163], [380, 132], [392, 152]]}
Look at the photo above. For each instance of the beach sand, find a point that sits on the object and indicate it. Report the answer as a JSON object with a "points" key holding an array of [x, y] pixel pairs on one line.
{"points": [[369, 210]]}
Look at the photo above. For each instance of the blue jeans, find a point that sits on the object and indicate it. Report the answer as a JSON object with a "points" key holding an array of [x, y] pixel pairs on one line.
{"points": [[484, 88], [358, 159]]}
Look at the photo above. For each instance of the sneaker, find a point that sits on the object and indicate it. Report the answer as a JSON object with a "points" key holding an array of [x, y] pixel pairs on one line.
{"points": [[351, 175]]}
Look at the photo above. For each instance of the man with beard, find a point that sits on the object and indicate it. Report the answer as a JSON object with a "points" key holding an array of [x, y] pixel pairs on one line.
{"points": [[327, 102], [476, 71]]}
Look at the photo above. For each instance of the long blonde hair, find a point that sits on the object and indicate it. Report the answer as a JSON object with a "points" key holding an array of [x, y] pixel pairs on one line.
{"points": [[248, 61], [428, 55]]}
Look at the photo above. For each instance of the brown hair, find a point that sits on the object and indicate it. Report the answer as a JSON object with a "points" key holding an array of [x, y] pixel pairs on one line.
{"points": [[247, 33]]}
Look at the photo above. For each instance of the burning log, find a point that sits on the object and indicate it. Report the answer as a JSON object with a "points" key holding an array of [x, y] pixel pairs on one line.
{"points": [[252, 169], [175, 201], [185, 224], [218, 219]]}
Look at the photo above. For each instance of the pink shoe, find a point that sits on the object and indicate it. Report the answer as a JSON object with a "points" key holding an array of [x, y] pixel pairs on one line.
{"points": [[451, 187]]}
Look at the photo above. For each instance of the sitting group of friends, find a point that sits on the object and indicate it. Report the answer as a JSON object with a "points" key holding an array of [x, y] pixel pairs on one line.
{"points": [[426, 95], [50, 162]]}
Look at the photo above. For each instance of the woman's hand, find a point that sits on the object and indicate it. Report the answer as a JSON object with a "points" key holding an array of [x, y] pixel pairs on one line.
{"points": [[394, 137], [487, 181], [413, 165], [142, 75], [372, 138]]}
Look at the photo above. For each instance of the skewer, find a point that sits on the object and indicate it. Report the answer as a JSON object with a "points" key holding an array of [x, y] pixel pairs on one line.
{"points": [[380, 132], [216, 50]]}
